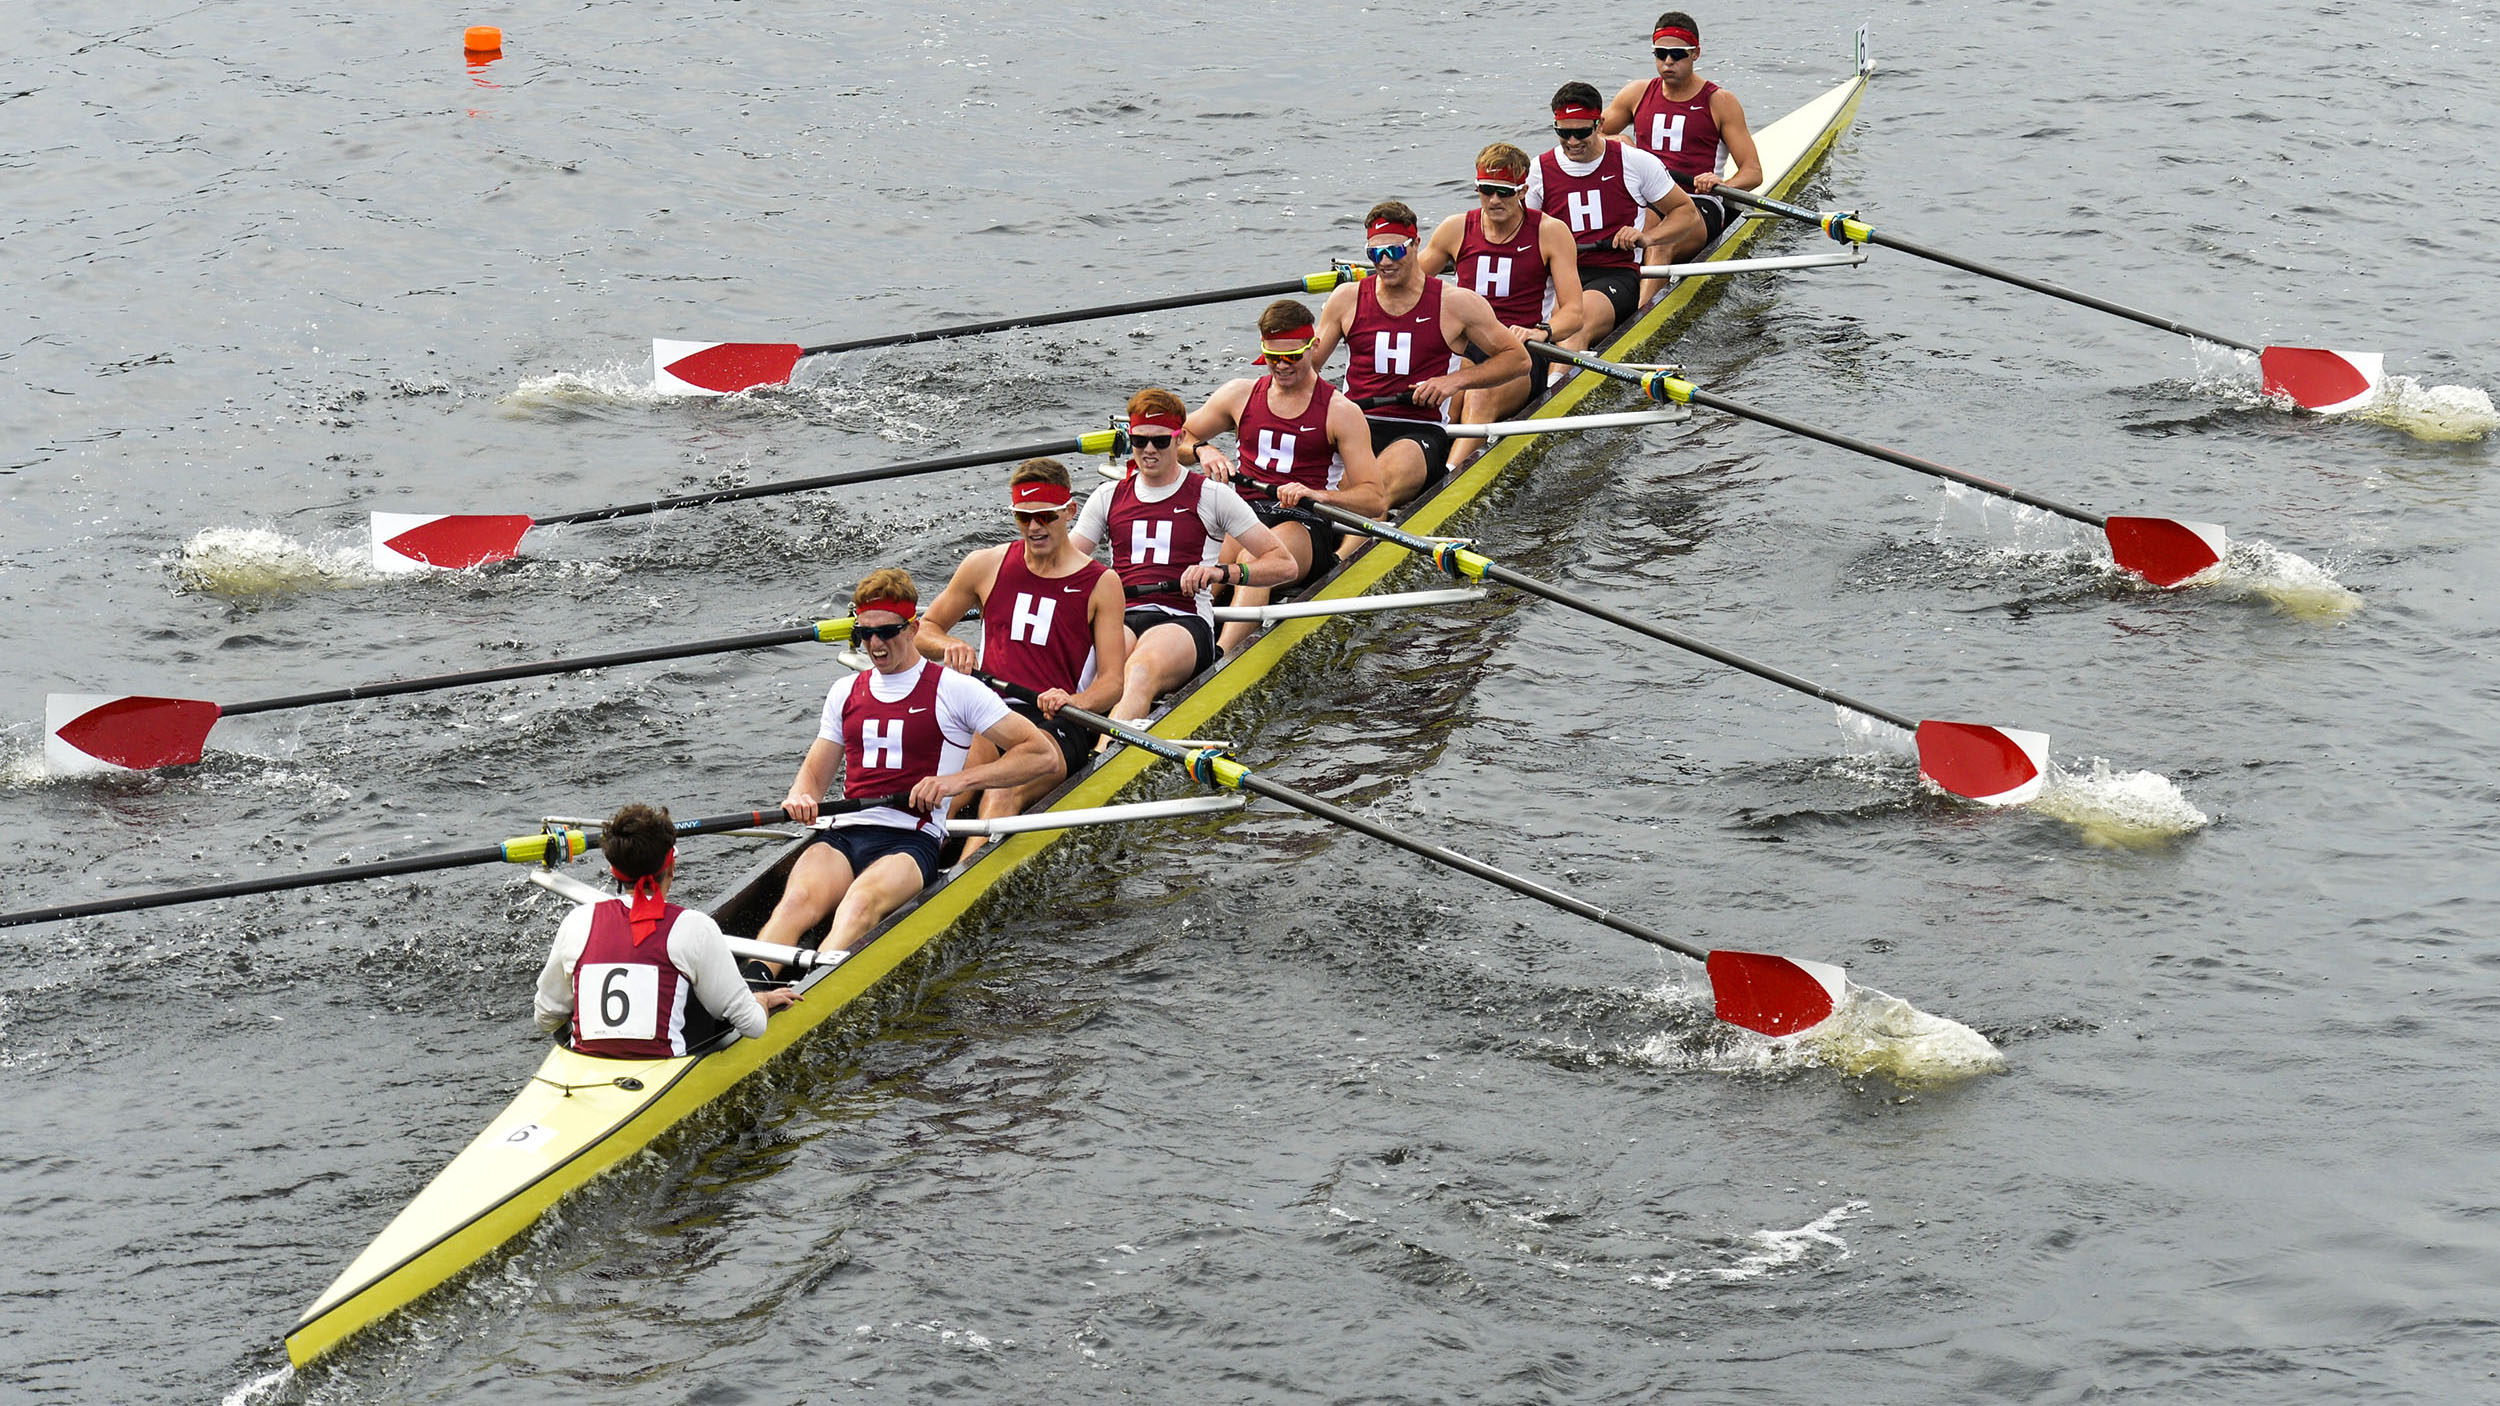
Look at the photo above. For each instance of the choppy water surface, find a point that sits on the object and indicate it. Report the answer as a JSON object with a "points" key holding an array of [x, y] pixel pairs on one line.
{"points": [[1251, 1110]]}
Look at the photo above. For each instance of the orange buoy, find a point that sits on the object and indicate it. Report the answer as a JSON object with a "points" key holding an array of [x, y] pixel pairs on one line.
{"points": [[483, 39]]}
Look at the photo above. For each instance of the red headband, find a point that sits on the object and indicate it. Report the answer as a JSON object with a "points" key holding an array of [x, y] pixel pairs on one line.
{"points": [[1685, 37], [1156, 420], [1388, 224], [1577, 114], [1039, 493], [643, 913], [1500, 176], [904, 608]]}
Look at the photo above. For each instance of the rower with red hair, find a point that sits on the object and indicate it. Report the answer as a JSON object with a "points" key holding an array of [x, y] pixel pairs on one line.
{"points": [[1050, 625]]}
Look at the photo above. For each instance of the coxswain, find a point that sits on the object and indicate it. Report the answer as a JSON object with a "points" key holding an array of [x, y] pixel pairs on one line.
{"points": [[1599, 188], [1299, 440], [902, 725], [639, 977], [1689, 124], [1050, 624], [1406, 336], [1523, 262], [1166, 528]]}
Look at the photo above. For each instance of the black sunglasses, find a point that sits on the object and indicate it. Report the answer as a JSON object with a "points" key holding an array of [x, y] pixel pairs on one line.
{"points": [[1573, 134], [879, 632], [1150, 441], [1504, 191], [1673, 55]]}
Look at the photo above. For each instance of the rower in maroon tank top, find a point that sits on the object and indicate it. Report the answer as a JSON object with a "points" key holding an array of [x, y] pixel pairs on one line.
{"points": [[639, 977], [1298, 441], [902, 725], [1687, 122], [1405, 335], [1601, 190], [1524, 263], [1050, 624], [1166, 528]]}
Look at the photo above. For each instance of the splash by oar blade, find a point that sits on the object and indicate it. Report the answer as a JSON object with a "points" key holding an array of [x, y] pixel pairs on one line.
{"points": [[404, 542], [86, 733], [720, 368], [2328, 382], [1774, 995], [1996, 766], [2165, 551]]}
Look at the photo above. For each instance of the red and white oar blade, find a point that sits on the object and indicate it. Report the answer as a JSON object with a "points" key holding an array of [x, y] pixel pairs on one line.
{"points": [[405, 542], [1996, 766], [1775, 995], [2166, 551], [84, 733], [2322, 380], [720, 368]]}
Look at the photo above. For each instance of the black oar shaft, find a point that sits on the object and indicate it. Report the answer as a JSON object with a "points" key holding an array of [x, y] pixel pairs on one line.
{"points": [[1858, 231], [802, 485], [804, 634], [527, 849], [1225, 771], [1894, 456], [344, 873], [1692, 394], [1307, 284], [1494, 571]]}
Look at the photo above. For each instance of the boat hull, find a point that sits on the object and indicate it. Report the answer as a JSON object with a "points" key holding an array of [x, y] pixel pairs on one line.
{"points": [[577, 1118]]}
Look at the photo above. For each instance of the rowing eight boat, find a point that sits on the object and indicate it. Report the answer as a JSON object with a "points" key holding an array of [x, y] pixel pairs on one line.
{"points": [[581, 1115]]}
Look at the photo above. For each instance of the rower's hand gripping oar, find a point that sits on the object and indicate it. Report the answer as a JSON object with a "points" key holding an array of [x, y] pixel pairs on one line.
{"points": [[546, 847], [725, 368], [2312, 377], [404, 542], [1996, 766], [2164, 551], [86, 733], [1760, 991]]}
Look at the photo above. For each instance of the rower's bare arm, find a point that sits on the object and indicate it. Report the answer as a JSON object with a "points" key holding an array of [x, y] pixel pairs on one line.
{"points": [[1729, 114], [970, 586], [1025, 754], [1678, 222], [1619, 113], [1361, 489], [1219, 415], [1562, 265], [1336, 318], [1441, 250], [816, 773], [1271, 561], [1504, 358], [1106, 607]]}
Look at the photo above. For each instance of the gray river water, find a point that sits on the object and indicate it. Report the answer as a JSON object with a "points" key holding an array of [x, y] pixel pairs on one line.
{"points": [[1257, 1111]]}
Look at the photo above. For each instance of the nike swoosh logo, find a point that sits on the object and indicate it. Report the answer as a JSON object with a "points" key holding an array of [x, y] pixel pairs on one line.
{"points": [[918, 710]]}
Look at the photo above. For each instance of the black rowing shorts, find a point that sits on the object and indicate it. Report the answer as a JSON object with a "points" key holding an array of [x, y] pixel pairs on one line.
{"points": [[1076, 744], [1144, 618], [1622, 288], [1427, 436]]}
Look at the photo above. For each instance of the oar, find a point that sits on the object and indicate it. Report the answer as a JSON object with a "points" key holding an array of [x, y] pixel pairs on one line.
{"points": [[2313, 377], [1995, 766], [546, 847], [1760, 991], [725, 368], [456, 541], [2164, 551], [95, 732]]}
